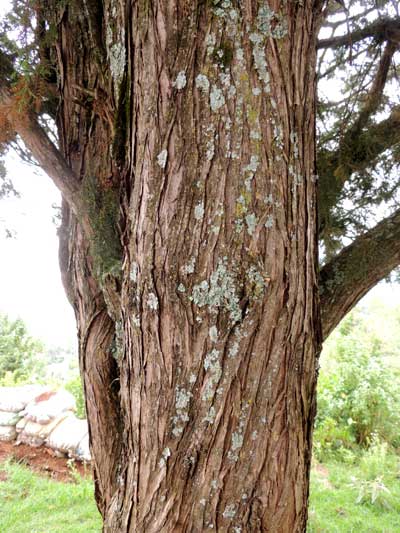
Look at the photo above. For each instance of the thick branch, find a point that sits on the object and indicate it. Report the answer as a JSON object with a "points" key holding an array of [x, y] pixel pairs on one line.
{"points": [[43, 150], [51, 161], [356, 269], [383, 29]]}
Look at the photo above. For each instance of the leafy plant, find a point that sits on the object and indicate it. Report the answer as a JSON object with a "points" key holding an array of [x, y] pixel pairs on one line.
{"points": [[20, 354], [358, 393], [74, 386], [373, 492]]}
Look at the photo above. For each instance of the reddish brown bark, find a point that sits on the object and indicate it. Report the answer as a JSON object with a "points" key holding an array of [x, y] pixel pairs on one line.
{"points": [[220, 323], [192, 262]]}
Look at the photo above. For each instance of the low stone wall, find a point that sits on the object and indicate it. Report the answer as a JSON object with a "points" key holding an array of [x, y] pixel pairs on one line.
{"points": [[37, 415]]}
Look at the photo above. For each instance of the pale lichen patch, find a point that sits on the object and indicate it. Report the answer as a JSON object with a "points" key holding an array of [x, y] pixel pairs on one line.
{"points": [[210, 147], [182, 401], [255, 135], [180, 82], [229, 511], [257, 281], [253, 165], [182, 398], [152, 301], [234, 350], [237, 441], [240, 55], [217, 99], [212, 366], [162, 158], [269, 223], [210, 43], [269, 200], [166, 453], [213, 333], [260, 61], [133, 274], [251, 222], [219, 292], [116, 53], [189, 267], [199, 211], [202, 83]]}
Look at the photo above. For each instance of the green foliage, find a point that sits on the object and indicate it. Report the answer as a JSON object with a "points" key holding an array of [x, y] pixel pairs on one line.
{"points": [[358, 393], [20, 354], [74, 386], [31, 503]]}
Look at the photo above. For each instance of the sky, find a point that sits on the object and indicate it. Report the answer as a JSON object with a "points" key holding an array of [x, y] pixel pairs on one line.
{"points": [[30, 280]]}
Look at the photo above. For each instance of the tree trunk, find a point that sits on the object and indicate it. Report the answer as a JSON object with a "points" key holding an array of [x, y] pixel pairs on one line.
{"points": [[195, 288]]}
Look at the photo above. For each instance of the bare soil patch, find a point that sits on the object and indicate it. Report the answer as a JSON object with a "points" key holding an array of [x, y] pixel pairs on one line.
{"points": [[42, 461]]}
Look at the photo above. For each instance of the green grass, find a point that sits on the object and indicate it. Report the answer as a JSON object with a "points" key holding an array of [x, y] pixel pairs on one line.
{"points": [[333, 501], [35, 504]]}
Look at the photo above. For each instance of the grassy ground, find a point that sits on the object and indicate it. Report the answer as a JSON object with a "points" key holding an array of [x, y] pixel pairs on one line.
{"points": [[35, 504], [353, 499], [345, 498]]}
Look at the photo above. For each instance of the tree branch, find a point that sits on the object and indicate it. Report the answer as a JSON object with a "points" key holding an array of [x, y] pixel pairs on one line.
{"points": [[356, 269], [50, 159], [358, 147], [366, 148], [374, 96], [383, 29]]}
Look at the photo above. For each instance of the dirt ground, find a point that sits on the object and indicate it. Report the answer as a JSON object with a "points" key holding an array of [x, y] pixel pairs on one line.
{"points": [[43, 461]]}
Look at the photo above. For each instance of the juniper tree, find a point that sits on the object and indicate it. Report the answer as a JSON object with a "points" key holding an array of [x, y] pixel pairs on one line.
{"points": [[189, 162]]}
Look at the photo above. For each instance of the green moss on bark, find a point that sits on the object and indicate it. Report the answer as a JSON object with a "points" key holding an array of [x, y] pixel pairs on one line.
{"points": [[102, 207]]}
